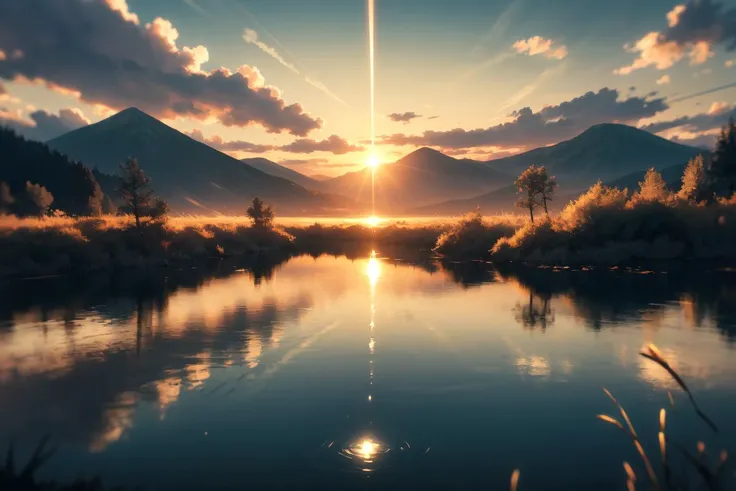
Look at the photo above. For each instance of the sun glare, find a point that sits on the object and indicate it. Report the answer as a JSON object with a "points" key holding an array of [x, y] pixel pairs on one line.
{"points": [[372, 162], [373, 221]]}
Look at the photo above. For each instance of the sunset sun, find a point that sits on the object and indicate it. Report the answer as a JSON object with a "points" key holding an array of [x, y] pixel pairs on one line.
{"points": [[372, 161]]}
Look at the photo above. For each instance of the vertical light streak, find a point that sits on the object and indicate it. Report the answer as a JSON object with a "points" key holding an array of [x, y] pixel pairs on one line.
{"points": [[372, 50]]}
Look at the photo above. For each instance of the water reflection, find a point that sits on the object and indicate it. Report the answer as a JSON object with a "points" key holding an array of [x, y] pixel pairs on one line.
{"points": [[275, 353]]}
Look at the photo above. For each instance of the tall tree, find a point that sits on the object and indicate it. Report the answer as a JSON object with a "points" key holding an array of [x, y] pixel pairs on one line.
{"points": [[260, 214], [6, 199], [40, 198], [548, 186], [653, 188], [137, 196], [694, 183], [529, 185], [722, 167], [95, 200]]}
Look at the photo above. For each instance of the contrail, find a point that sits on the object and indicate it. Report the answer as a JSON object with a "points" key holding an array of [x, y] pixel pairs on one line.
{"points": [[251, 37], [705, 92]]}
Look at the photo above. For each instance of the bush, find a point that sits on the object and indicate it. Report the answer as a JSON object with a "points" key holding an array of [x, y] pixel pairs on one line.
{"points": [[470, 236]]}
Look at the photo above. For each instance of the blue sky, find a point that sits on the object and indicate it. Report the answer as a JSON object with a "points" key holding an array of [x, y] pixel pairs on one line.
{"points": [[455, 74]]}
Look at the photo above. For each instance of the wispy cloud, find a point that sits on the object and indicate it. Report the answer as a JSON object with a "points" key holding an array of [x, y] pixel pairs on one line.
{"points": [[664, 79], [532, 87], [251, 37], [537, 45]]}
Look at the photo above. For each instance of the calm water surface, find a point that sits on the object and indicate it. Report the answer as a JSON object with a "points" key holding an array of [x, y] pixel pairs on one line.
{"points": [[336, 373]]}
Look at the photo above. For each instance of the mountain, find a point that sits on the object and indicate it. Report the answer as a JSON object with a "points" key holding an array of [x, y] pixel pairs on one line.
{"points": [[617, 154], [502, 200], [278, 170], [70, 183], [604, 151], [422, 177], [190, 175], [320, 177]]}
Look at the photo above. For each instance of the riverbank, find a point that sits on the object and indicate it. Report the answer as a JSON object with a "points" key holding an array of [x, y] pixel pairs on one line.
{"points": [[604, 227], [62, 245]]}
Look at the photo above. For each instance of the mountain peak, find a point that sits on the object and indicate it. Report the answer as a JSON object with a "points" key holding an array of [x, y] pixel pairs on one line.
{"points": [[131, 114]]}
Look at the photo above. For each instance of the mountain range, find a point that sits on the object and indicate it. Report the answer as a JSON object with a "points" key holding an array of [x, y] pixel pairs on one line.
{"points": [[190, 175], [195, 177]]}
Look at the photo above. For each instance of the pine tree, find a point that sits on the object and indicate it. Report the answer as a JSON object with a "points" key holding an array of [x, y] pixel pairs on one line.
{"points": [[722, 169], [653, 188], [95, 200], [138, 197], [694, 183]]}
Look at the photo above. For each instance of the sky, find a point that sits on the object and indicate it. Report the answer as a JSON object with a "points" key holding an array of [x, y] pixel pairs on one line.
{"points": [[288, 80]]}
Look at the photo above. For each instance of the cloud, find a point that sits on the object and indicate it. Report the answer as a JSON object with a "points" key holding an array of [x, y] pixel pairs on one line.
{"points": [[538, 45], [716, 116], [694, 29], [251, 37], [433, 117], [403, 117], [550, 124], [334, 144], [98, 51], [664, 79], [230, 146], [44, 126], [701, 140]]}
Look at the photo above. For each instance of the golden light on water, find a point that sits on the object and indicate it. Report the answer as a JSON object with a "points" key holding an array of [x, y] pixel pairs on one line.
{"points": [[373, 270], [366, 449]]}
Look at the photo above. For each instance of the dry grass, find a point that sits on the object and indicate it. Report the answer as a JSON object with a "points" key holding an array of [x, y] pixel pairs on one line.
{"points": [[61, 244]]}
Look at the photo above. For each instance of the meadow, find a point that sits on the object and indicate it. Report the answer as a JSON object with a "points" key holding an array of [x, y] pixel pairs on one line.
{"points": [[604, 226], [60, 244]]}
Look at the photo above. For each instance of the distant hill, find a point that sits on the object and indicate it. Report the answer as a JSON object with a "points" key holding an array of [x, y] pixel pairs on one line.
{"points": [[320, 177], [422, 177], [278, 170], [604, 151], [616, 154], [190, 175], [71, 183], [502, 200]]}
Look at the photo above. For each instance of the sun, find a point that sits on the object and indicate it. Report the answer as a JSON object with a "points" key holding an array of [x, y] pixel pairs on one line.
{"points": [[372, 162]]}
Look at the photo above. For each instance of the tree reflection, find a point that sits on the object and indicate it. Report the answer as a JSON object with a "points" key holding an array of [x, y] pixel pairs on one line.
{"points": [[537, 313]]}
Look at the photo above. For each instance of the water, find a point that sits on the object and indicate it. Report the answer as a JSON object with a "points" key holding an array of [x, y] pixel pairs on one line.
{"points": [[336, 373]]}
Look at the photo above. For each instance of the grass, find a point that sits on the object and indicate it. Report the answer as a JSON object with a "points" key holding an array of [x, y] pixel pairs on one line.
{"points": [[65, 245], [710, 474], [604, 226]]}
